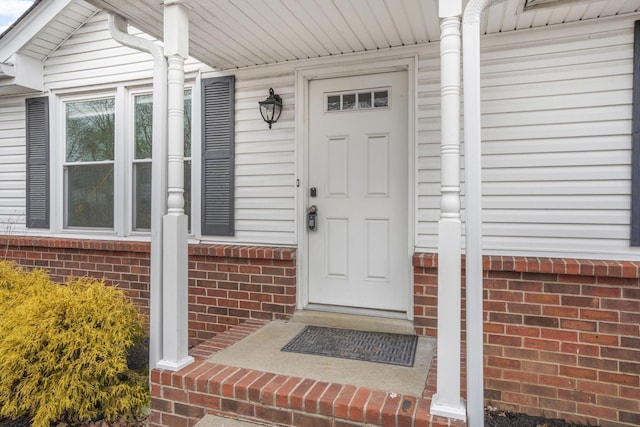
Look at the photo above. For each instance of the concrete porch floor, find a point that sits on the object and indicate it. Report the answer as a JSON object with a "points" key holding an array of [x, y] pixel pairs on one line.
{"points": [[261, 351], [242, 375]]}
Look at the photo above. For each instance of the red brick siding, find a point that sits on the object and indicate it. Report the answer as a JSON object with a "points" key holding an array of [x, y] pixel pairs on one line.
{"points": [[227, 284], [562, 336], [122, 264]]}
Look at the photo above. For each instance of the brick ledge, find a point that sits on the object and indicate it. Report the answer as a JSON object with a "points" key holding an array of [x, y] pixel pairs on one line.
{"points": [[568, 266], [226, 251]]}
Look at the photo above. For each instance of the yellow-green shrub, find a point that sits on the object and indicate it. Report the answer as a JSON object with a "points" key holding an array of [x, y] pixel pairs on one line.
{"points": [[63, 350]]}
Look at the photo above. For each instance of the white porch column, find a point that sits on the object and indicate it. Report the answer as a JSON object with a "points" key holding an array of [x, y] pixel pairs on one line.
{"points": [[174, 302], [447, 401], [473, 199], [118, 30]]}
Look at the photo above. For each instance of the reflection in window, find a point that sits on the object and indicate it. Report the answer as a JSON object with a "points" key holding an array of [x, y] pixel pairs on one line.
{"points": [[143, 121], [90, 130], [90, 195], [358, 101], [380, 99], [88, 177], [349, 101], [364, 100], [333, 103]]}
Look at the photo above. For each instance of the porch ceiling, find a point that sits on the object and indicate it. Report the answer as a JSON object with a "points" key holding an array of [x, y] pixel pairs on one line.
{"points": [[227, 34]]}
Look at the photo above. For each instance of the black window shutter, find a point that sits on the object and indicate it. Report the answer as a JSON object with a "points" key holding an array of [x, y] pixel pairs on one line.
{"points": [[635, 141], [218, 156], [37, 133]]}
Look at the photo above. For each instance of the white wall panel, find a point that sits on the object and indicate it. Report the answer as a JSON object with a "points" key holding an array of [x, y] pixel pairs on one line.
{"points": [[12, 164], [556, 131], [265, 161]]}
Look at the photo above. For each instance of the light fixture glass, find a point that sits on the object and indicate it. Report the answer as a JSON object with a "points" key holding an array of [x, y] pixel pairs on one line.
{"points": [[271, 108]]}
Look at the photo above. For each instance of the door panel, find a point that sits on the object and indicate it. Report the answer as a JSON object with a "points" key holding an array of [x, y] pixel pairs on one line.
{"points": [[358, 255]]}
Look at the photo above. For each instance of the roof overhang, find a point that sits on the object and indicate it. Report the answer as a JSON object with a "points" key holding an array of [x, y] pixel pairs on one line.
{"points": [[232, 34], [21, 74], [228, 34], [7, 71], [29, 25]]}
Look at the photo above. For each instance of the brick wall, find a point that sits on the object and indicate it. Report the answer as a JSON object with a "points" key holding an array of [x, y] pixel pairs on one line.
{"points": [[123, 264], [425, 294], [227, 284], [562, 336]]}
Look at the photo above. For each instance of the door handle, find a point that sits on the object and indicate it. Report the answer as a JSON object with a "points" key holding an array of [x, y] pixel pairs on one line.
{"points": [[312, 218]]}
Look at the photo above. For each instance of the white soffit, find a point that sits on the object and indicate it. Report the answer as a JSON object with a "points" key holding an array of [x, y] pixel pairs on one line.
{"points": [[45, 28], [227, 34], [52, 36]]}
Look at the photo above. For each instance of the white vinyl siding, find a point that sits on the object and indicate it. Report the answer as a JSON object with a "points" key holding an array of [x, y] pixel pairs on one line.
{"points": [[556, 137], [91, 57], [557, 129], [428, 150], [556, 142], [12, 165], [265, 171], [58, 31]]}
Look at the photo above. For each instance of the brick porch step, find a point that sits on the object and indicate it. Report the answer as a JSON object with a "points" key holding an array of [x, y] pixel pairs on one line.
{"points": [[181, 399]]}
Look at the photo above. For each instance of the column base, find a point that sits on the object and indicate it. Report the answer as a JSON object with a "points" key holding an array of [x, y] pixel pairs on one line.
{"points": [[170, 365], [457, 412]]}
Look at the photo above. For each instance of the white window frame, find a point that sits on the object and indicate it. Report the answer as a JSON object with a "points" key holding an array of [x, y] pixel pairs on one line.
{"points": [[131, 133], [124, 157], [58, 161]]}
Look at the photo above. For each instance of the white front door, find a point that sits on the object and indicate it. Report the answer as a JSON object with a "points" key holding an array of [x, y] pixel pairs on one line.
{"points": [[358, 180]]}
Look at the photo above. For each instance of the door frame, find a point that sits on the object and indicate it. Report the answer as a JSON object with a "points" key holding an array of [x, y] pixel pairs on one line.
{"points": [[337, 69]]}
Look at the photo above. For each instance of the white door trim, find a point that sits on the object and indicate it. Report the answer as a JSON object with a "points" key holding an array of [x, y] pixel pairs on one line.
{"points": [[303, 76]]}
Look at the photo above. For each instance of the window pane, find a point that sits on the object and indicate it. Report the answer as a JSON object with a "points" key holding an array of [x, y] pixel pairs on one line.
{"points": [[142, 196], [333, 103], [187, 123], [144, 125], [89, 196], [143, 106], [349, 101], [381, 99], [364, 100], [90, 130], [187, 191]]}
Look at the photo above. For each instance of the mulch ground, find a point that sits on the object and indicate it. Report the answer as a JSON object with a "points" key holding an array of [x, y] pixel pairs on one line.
{"points": [[497, 418]]}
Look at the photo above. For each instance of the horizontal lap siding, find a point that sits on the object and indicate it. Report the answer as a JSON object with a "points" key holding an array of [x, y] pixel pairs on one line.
{"points": [[265, 161], [556, 142], [428, 148], [556, 127], [12, 164], [91, 57]]}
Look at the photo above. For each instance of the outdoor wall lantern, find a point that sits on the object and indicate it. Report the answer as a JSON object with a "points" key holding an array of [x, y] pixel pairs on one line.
{"points": [[271, 108]]}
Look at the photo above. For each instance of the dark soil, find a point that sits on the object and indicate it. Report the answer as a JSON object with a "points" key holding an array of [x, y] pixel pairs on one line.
{"points": [[20, 422], [497, 418]]}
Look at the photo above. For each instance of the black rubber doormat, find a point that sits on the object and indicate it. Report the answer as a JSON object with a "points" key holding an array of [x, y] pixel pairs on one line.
{"points": [[392, 349]]}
